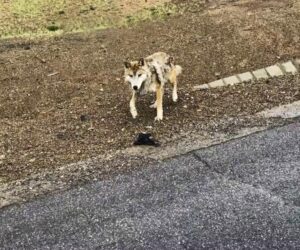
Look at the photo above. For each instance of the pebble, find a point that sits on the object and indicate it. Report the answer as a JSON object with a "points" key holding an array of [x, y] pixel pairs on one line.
{"points": [[91, 128], [2, 157], [84, 118], [217, 74]]}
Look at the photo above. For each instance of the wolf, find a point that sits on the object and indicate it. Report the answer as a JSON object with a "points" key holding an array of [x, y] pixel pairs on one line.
{"points": [[150, 74]]}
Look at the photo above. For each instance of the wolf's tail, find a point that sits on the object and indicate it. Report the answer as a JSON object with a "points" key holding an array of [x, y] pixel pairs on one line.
{"points": [[178, 69]]}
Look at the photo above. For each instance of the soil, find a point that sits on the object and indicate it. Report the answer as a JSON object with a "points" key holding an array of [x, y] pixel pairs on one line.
{"points": [[63, 99]]}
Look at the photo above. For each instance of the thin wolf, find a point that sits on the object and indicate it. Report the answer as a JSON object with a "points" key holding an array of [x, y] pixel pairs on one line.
{"points": [[150, 74]]}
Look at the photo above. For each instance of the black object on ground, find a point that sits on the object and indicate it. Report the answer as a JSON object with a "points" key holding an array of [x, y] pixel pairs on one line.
{"points": [[84, 118], [146, 139]]}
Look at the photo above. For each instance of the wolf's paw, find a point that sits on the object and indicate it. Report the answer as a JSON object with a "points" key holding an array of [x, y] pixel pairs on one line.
{"points": [[174, 97], [134, 114], [158, 118], [153, 106]]}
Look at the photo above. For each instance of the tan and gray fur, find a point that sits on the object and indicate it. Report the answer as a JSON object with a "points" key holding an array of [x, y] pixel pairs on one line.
{"points": [[150, 74]]}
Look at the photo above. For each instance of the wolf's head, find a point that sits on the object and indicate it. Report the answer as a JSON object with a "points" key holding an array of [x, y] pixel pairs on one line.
{"points": [[135, 73]]}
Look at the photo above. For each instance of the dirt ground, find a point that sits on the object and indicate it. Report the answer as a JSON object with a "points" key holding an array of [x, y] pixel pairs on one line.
{"points": [[63, 99]]}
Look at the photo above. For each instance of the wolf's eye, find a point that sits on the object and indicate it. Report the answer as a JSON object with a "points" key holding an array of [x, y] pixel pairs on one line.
{"points": [[139, 75], [131, 75]]}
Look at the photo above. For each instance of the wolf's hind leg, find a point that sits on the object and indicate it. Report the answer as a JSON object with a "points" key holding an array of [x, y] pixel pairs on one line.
{"points": [[173, 81], [159, 101]]}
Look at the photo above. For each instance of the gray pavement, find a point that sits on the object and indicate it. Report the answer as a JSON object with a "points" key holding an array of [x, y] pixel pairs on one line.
{"points": [[244, 194]]}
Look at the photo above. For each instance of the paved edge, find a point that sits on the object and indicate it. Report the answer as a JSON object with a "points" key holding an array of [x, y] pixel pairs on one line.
{"points": [[251, 194], [121, 162], [95, 169], [276, 70]]}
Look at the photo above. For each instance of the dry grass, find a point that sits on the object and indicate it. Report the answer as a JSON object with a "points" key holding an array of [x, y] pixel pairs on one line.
{"points": [[52, 17]]}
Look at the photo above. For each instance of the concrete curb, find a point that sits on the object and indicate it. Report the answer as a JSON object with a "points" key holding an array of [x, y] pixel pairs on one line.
{"points": [[280, 69]]}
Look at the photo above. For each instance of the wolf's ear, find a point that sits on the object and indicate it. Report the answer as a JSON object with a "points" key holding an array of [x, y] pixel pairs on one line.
{"points": [[142, 62], [127, 64]]}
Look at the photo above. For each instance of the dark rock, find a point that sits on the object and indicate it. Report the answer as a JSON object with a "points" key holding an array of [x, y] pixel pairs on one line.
{"points": [[61, 136], [84, 118], [146, 139], [53, 27]]}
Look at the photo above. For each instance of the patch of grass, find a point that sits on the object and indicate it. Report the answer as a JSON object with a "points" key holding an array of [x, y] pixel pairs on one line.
{"points": [[153, 13], [23, 18], [23, 8]]}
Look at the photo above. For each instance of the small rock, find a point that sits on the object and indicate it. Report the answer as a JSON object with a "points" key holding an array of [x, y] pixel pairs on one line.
{"points": [[118, 79], [296, 39], [185, 106], [84, 118], [217, 74], [149, 127], [53, 74], [53, 27], [243, 63], [61, 136], [32, 160], [2, 157]]}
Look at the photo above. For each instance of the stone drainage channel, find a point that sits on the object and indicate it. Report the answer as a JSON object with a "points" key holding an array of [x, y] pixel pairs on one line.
{"points": [[280, 69]]}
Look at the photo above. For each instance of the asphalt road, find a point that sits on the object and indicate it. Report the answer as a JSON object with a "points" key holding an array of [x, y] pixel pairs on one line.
{"points": [[244, 194]]}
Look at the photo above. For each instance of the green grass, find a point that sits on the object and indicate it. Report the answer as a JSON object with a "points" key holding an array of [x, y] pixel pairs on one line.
{"points": [[32, 18], [158, 12]]}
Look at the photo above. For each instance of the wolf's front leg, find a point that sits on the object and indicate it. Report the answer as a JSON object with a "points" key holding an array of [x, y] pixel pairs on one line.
{"points": [[132, 105], [159, 103]]}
